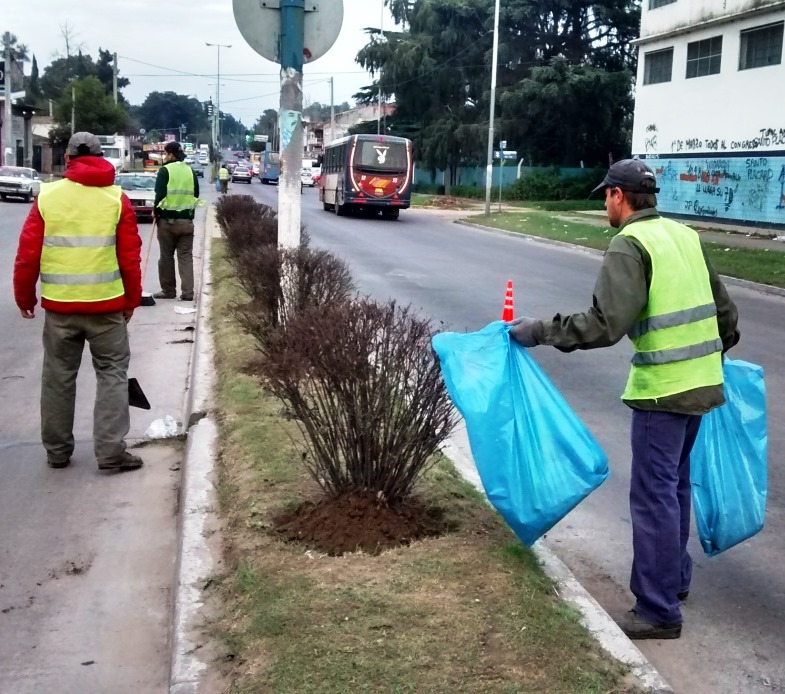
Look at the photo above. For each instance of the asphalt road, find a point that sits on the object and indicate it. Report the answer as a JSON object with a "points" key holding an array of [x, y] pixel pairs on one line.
{"points": [[735, 617], [87, 558]]}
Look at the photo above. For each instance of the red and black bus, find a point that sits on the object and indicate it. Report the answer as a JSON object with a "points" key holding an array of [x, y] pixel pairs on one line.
{"points": [[371, 173]]}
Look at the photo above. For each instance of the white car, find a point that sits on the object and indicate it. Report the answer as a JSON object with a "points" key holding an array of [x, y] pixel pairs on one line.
{"points": [[140, 189], [20, 182], [306, 178], [189, 159]]}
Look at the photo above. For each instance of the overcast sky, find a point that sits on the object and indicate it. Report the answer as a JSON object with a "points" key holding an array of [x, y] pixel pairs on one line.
{"points": [[172, 34]]}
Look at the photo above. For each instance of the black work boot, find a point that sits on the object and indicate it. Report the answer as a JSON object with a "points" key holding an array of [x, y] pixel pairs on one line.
{"points": [[636, 627]]}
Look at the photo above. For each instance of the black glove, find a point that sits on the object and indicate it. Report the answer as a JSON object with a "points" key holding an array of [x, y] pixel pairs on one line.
{"points": [[522, 331]]}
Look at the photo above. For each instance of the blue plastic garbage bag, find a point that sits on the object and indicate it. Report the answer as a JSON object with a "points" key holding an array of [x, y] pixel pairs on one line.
{"points": [[217, 185], [728, 462], [536, 459]]}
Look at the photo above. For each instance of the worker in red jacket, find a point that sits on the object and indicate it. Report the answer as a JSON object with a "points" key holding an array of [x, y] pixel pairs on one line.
{"points": [[82, 240]]}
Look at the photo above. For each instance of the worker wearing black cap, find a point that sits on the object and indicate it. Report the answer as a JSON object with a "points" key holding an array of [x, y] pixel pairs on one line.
{"points": [[657, 286], [176, 199]]}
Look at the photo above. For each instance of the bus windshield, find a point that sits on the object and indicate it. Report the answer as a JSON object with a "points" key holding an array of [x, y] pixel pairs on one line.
{"points": [[381, 156]]}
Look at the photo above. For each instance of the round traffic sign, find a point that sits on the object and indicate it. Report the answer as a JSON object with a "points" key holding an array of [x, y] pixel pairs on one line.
{"points": [[259, 22]]}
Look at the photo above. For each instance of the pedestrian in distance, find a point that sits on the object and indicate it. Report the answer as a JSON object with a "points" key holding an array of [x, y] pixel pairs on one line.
{"points": [[657, 286], [176, 199], [223, 179], [82, 240]]}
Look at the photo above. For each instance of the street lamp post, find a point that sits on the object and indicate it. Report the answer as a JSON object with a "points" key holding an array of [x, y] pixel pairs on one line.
{"points": [[219, 46], [489, 163]]}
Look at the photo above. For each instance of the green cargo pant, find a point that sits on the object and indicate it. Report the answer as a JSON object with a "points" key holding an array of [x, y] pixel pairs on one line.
{"points": [[176, 235], [64, 338]]}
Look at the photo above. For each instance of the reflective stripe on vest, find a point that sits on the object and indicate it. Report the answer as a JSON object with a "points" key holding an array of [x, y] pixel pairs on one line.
{"points": [[79, 254], [676, 338], [180, 188]]}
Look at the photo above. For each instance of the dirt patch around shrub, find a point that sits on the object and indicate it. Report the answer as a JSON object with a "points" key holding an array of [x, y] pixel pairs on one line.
{"points": [[360, 521]]}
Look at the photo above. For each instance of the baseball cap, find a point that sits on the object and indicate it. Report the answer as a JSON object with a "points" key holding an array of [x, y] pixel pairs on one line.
{"points": [[631, 175], [84, 143]]}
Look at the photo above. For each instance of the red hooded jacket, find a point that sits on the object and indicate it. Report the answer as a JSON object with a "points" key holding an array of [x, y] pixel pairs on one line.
{"points": [[89, 171]]}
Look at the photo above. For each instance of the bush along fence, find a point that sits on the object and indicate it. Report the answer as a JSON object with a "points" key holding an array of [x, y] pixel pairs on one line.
{"points": [[534, 184], [359, 377]]}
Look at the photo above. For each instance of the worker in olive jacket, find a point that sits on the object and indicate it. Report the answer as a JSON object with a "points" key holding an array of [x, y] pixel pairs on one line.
{"points": [[657, 286]]}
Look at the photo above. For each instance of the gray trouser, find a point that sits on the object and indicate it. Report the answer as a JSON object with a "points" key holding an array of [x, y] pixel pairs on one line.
{"points": [[176, 235], [64, 338]]}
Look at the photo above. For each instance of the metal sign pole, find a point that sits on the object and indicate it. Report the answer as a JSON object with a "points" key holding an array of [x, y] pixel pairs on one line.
{"points": [[290, 117], [9, 155]]}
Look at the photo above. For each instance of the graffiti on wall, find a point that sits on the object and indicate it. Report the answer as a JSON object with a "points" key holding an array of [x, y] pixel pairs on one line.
{"points": [[743, 188]]}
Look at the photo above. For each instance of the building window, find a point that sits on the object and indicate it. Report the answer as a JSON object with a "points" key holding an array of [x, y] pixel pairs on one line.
{"points": [[704, 57], [654, 4], [761, 46], [658, 67]]}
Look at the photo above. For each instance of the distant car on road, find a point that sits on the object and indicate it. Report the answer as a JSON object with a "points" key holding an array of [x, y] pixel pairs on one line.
{"points": [[306, 178], [20, 182], [140, 189], [242, 173], [255, 169], [198, 169], [204, 159], [189, 160]]}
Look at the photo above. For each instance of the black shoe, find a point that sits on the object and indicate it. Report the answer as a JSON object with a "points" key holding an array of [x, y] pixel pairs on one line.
{"points": [[636, 627], [186, 297], [126, 461], [57, 464], [163, 295], [683, 594]]}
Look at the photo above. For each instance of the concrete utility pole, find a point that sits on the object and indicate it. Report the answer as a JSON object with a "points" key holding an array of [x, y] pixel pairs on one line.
{"points": [[114, 77], [8, 135], [379, 118], [332, 111], [489, 163], [219, 46], [290, 118]]}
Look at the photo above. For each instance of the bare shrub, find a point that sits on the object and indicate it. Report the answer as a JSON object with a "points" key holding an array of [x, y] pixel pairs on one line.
{"points": [[365, 386], [312, 279], [246, 223]]}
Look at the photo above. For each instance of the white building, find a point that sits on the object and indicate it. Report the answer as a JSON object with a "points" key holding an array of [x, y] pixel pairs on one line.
{"points": [[710, 107]]}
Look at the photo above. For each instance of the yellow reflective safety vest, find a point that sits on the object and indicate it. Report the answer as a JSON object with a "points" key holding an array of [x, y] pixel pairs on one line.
{"points": [[676, 337], [79, 254], [180, 188], [223, 174]]}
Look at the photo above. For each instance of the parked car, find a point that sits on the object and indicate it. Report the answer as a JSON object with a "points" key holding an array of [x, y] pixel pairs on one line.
{"points": [[140, 189], [306, 178], [19, 182]]}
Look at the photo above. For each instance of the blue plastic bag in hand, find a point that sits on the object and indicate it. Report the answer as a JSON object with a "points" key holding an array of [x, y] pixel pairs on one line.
{"points": [[728, 462], [536, 459]]}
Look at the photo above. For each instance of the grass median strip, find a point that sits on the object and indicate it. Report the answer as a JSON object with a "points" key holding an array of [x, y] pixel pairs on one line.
{"points": [[755, 265], [469, 611]]}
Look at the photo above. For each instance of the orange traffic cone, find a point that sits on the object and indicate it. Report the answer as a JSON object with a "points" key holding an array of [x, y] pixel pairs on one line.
{"points": [[507, 311]]}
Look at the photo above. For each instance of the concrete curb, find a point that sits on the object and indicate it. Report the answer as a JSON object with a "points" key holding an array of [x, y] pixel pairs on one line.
{"points": [[594, 617], [196, 560], [756, 286]]}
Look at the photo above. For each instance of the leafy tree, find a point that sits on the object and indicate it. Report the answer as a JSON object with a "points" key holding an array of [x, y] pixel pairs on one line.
{"points": [[549, 112], [438, 68], [64, 69], [19, 51], [104, 71], [95, 110], [169, 110]]}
